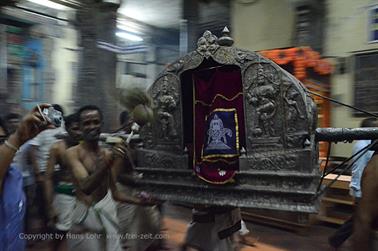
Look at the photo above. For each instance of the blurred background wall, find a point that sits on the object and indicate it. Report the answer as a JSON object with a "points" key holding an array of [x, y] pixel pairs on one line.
{"points": [[345, 29], [261, 25], [348, 30]]}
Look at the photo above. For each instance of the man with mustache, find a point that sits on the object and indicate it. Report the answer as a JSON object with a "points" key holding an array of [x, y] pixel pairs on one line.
{"points": [[94, 226]]}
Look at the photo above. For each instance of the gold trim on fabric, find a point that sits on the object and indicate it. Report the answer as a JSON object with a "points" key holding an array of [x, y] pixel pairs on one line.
{"points": [[218, 160], [229, 180], [194, 123], [218, 95], [236, 131]]}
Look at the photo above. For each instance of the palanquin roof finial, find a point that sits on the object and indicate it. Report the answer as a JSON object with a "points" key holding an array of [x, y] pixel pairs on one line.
{"points": [[207, 45], [225, 39]]}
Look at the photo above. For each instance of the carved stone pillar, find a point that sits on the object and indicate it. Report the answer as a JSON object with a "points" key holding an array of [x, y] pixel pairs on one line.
{"points": [[96, 85], [107, 74]]}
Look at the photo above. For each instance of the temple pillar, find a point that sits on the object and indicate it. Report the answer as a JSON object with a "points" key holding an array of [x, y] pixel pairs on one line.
{"points": [[97, 76]]}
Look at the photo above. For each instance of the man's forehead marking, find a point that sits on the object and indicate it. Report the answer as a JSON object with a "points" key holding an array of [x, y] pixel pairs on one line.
{"points": [[90, 113]]}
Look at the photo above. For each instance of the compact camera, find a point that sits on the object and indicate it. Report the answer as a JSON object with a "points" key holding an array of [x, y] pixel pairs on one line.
{"points": [[53, 116]]}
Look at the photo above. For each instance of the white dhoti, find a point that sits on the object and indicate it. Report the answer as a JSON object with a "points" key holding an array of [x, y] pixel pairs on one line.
{"points": [[64, 203], [64, 206], [212, 231], [94, 228], [138, 225]]}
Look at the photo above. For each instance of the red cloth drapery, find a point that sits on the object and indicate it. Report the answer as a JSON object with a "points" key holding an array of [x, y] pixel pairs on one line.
{"points": [[218, 109]]}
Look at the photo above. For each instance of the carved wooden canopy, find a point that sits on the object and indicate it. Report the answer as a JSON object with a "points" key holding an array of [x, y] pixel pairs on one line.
{"points": [[278, 161]]}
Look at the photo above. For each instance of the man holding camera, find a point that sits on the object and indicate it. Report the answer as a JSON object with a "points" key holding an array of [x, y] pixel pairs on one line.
{"points": [[12, 197]]}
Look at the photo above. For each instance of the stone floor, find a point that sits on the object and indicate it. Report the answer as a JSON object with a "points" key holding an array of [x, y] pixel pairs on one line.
{"points": [[268, 238]]}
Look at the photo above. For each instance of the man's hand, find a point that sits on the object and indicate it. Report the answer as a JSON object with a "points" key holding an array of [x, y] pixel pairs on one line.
{"points": [[120, 150], [147, 200], [32, 124]]}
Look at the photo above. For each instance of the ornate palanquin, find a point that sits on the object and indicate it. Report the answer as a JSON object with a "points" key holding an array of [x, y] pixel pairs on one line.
{"points": [[314, 72], [275, 165]]}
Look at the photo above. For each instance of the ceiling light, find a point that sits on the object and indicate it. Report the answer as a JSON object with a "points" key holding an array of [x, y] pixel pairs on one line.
{"points": [[127, 28], [129, 36], [50, 4], [134, 12]]}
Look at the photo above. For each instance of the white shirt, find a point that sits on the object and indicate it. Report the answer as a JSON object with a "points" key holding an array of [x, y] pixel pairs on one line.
{"points": [[21, 162], [43, 142]]}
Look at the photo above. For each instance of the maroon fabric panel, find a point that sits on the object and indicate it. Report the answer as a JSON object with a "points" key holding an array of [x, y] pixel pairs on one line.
{"points": [[219, 88]]}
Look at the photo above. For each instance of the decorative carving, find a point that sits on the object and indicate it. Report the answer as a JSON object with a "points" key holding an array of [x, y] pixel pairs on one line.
{"points": [[161, 160], [166, 100], [207, 44], [296, 140], [146, 135], [273, 163], [225, 56], [312, 113], [156, 159], [176, 66], [265, 143], [242, 56], [277, 182], [293, 111], [262, 92], [192, 60]]}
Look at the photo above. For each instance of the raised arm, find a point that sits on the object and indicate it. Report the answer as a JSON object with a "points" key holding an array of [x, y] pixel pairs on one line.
{"points": [[122, 159], [118, 163], [7, 152], [32, 124], [87, 183], [122, 196]]}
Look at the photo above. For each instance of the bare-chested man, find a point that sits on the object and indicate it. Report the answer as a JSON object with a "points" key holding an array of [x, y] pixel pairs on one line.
{"points": [[94, 222], [60, 206], [136, 220]]}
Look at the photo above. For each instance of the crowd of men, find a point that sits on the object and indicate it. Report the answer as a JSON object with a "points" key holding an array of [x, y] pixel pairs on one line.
{"points": [[71, 179]]}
